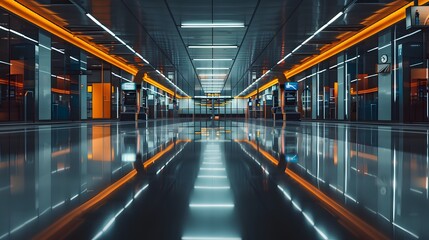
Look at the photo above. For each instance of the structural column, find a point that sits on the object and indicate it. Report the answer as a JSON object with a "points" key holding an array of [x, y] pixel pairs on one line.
{"points": [[43, 84], [341, 88], [83, 83], [385, 85], [314, 93]]}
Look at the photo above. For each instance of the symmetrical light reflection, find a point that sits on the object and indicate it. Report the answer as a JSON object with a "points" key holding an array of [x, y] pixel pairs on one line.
{"points": [[286, 194], [306, 215], [211, 205], [136, 195]]}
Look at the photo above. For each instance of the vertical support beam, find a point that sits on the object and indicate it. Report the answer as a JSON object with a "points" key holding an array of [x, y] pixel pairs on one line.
{"points": [[341, 88], [43, 84], [83, 85], [385, 80], [403, 80], [314, 93]]}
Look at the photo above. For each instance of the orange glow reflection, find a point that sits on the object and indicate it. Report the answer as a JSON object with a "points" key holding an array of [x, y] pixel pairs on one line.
{"points": [[55, 230], [362, 229]]}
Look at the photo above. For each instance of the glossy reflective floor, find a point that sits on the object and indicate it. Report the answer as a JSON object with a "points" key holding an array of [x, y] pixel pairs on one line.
{"points": [[214, 180]]}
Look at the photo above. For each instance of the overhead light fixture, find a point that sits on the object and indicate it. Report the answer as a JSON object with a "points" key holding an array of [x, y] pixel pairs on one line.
{"points": [[296, 48], [212, 74], [212, 25], [212, 79], [132, 50], [213, 59], [213, 46], [208, 68], [312, 36], [100, 24]]}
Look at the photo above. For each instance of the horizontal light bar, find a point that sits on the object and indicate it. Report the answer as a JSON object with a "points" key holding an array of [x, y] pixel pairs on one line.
{"points": [[74, 59], [142, 58], [130, 48], [213, 46], [194, 205], [100, 24], [212, 25], [298, 47], [212, 187], [212, 74], [213, 169], [23, 35], [207, 97], [208, 68], [58, 50], [211, 176], [210, 238], [212, 79], [213, 59], [7, 63]]}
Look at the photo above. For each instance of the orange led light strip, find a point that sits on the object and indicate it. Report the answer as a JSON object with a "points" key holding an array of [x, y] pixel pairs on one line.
{"points": [[53, 231], [263, 87], [365, 33], [366, 231], [25, 13]]}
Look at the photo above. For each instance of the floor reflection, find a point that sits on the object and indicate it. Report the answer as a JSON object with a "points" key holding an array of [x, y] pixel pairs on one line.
{"points": [[379, 173], [373, 179], [211, 207], [46, 171]]}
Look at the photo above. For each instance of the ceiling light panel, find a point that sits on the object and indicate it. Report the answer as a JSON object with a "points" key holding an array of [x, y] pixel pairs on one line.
{"points": [[212, 25]]}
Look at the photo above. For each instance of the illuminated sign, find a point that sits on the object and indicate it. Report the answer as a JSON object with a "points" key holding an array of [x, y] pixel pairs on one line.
{"points": [[291, 86], [128, 86]]}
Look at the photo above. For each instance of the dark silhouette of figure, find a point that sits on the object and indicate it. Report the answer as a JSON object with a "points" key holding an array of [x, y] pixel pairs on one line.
{"points": [[138, 163], [417, 17]]}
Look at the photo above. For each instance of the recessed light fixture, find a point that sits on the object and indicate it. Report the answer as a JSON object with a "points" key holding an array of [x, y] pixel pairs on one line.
{"points": [[212, 59], [212, 74], [212, 46], [212, 79], [208, 68], [212, 25]]}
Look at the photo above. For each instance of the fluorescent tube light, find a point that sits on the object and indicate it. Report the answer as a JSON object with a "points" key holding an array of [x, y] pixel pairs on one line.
{"points": [[213, 59], [212, 25], [208, 68], [212, 46]]}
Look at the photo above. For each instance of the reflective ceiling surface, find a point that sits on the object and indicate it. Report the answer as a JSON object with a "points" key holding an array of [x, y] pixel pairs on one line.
{"points": [[271, 29]]}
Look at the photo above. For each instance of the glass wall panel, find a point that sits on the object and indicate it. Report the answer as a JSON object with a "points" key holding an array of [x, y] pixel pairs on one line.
{"points": [[60, 81], [332, 90], [22, 47], [366, 88], [4, 67]]}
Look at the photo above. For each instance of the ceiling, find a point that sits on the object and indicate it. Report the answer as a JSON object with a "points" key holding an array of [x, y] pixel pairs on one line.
{"points": [[272, 29]]}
